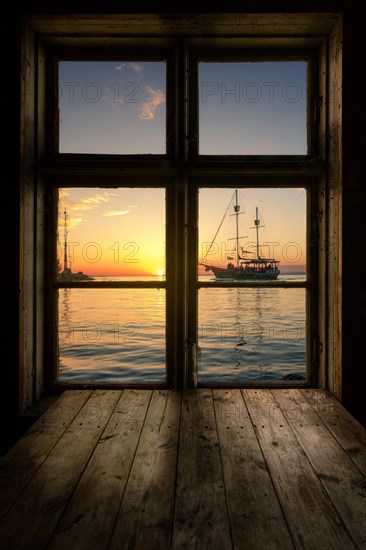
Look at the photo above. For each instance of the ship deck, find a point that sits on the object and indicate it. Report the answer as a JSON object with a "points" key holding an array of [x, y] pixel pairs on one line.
{"points": [[215, 469]]}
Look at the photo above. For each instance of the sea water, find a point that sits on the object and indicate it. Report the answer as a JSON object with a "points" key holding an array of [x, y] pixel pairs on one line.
{"points": [[244, 334]]}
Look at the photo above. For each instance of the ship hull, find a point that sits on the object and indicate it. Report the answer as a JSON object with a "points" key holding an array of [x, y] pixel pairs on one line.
{"points": [[238, 274]]}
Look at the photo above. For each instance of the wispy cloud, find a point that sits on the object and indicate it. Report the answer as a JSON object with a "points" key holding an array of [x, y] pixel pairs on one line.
{"points": [[90, 203], [111, 213], [74, 208], [155, 98], [73, 222], [63, 193], [137, 67]]}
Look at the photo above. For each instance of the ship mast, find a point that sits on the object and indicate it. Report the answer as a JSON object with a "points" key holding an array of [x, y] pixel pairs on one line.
{"points": [[237, 237], [237, 210], [257, 226], [65, 240]]}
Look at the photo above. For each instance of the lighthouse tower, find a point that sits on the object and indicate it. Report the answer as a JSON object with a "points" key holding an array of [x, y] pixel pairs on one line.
{"points": [[66, 269]]}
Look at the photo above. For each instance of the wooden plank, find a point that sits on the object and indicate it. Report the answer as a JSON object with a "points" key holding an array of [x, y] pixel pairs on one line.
{"points": [[27, 303], [334, 212], [22, 461], [342, 480], [201, 516], [145, 516], [255, 515], [91, 514], [345, 428], [312, 520], [237, 24], [39, 507]]}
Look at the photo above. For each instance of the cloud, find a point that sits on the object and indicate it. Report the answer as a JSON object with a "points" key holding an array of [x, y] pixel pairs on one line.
{"points": [[74, 222], [156, 98], [137, 67], [87, 203], [115, 213], [92, 202], [63, 193]]}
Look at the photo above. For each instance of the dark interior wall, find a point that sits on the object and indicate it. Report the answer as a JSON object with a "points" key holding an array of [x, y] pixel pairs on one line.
{"points": [[354, 199], [9, 229], [354, 215]]}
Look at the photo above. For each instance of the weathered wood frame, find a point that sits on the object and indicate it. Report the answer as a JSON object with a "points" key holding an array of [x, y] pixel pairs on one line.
{"points": [[319, 34]]}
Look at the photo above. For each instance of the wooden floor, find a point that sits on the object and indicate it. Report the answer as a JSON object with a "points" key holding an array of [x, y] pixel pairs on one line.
{"points": [[202, 469]]}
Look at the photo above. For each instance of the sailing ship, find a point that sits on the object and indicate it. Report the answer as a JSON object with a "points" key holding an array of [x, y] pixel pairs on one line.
{"points": [[256, 268], [66, 274]]}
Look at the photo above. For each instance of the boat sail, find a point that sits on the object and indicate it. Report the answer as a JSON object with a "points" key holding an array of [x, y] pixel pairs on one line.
{"points": [[244, 268]]}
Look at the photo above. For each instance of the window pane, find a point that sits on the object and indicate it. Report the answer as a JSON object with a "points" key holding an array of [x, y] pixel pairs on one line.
{"points": [[111, 335], [111, 234], [112, 107], [252, 234], [251, 334], [256, 108]]}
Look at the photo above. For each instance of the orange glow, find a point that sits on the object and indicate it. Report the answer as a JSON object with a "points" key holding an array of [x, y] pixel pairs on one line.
{"points": [[112, 232], [121, 232], [96, 260]]}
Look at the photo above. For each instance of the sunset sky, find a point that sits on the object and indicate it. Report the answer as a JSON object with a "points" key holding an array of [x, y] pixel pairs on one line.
{"points": [[119, 107], [122, 231], [114, 231]]}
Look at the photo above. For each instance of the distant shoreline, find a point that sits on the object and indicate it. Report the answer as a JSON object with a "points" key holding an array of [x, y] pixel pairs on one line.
{"points": [[163, 278]]}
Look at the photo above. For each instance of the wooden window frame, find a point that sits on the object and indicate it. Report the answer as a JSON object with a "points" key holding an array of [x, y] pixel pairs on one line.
{"points": [[319, 34]]}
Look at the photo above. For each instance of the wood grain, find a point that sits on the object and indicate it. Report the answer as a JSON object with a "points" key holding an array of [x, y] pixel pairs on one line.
{"points": [[203, 469], [339, 475], [33, 518], [89, 519], [310, 514], [22, 461], [146, 513], [201, 516], [255, 514]]}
